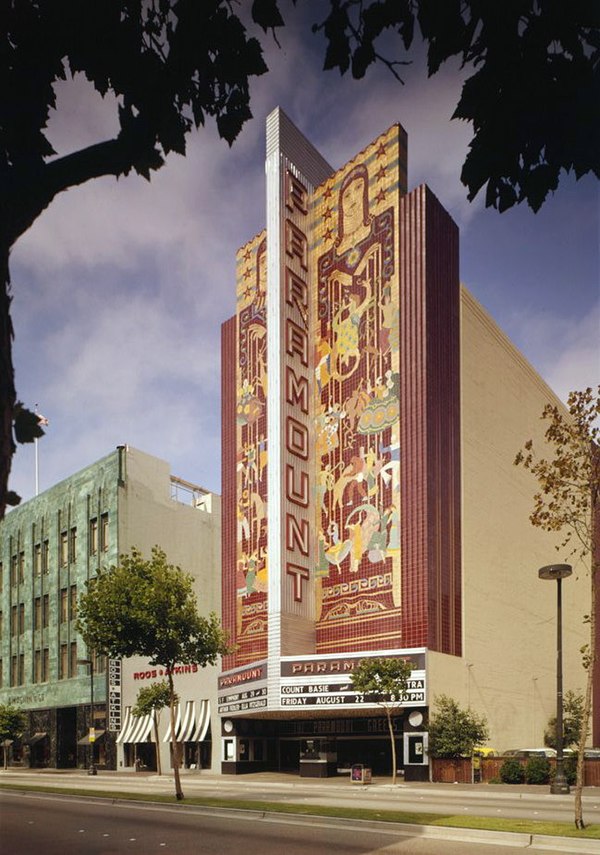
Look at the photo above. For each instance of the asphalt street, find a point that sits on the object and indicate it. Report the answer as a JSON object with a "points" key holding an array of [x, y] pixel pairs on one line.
{"points": [[479, 799], [57, 825]]}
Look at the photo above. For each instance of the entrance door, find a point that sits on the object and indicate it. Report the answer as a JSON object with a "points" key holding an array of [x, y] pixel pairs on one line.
{"points": [[66, 738], [289, 755]]}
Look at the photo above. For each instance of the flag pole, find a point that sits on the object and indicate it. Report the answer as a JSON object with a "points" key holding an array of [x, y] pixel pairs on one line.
{"points": [[37, 459]]}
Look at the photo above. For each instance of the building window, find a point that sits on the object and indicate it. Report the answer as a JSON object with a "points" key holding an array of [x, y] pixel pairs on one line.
{"points": [[37, 559], [37, 667], [46, 556], [1, 577], [21, 567], [13, 620], [63, 663], [21, 618], [13, 670], [37, 613], [13, 571], [46, 611], [73, 545], [45, 665], [64, 549], [73, 658], [104, 532], [73, 601], [93, 536], [99, 662], [1, 674], [21, 669], [64, 605], [1, 625]]}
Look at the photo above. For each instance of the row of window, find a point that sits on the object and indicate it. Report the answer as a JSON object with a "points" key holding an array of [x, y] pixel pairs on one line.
{"points": [[67, 665], [67, 554], [41, 611]]}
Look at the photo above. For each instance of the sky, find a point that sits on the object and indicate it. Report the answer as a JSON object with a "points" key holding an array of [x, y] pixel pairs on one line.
{"points": [[120, 287]]}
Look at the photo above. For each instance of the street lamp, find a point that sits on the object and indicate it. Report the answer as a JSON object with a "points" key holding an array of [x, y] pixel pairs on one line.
{"points": [[91, 733], [559, 572]]}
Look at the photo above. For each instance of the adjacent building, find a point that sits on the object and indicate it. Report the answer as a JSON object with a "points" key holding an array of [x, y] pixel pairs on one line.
{"points": [[371, 413], [49, 547]]}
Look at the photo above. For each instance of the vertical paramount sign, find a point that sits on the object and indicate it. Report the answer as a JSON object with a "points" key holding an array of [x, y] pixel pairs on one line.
{"points": [[294, 168]]}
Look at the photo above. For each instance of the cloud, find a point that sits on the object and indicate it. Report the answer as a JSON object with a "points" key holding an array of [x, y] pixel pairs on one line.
{"points": [[563, 348]]}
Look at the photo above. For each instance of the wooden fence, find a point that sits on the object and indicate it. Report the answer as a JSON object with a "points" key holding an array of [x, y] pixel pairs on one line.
{"points": [[459, 771]]}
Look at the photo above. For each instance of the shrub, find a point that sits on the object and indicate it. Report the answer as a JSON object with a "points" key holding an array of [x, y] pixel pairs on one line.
{"points": [[511, 771], [537, 770]]}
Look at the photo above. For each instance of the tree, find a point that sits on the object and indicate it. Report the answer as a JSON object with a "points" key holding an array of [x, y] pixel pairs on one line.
{"points": [[150, 701], [147, 607], [454, 732], [384, 681], [170, 64], [533, 99], [572, 719], [12, 725], [568, 502]]}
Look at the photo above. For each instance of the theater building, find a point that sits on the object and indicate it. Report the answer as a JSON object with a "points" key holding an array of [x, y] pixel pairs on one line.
{"points": [[371, 413], [49, 547]]}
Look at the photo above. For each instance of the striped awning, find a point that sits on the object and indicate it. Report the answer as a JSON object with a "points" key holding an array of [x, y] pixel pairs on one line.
{"points": [[192, 724], [136, 728]]}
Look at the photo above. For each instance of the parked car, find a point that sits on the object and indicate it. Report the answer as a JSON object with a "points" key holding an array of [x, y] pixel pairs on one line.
{"points": [[484, 751], [529, 752]]}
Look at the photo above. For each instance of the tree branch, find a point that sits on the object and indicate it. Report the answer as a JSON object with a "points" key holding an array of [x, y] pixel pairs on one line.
{"points": [[26, 193]]}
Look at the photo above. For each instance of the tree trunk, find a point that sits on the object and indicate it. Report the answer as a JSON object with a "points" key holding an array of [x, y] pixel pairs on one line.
{"points": [[393, 741], [587, 706], [174, 743], [7, 380], [158, 766]]}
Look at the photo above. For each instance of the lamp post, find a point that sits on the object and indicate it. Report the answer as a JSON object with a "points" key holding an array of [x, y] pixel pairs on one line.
{"points": [[559, 572], [91, 733]]}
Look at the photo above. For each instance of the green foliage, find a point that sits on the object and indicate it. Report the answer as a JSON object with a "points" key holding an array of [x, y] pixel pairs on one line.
{"points": [[382, 681], [148, 608], [568, 501], [573, 704], [533, 99], [512, 772], [454, 732], [12, 721], [155, 697], [537, 770]]}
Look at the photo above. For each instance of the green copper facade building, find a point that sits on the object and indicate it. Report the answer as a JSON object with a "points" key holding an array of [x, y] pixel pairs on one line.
{"points": [[49, 547]]}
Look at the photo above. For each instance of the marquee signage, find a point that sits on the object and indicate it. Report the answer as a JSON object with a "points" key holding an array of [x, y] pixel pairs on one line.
{"points": [[251, 699], [248, 675], [341, 694], [341, 665], [327, 681], [114, 695]]}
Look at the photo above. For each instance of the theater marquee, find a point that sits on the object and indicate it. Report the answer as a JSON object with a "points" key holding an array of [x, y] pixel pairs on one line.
{"points": [[327, 681]]}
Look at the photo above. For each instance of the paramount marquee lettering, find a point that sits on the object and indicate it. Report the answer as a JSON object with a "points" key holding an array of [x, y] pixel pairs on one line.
{"points": [[296, 430], [226, 680]]}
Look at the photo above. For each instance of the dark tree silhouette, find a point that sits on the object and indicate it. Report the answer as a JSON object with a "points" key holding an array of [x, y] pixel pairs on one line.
{"points": [[533, 99]]}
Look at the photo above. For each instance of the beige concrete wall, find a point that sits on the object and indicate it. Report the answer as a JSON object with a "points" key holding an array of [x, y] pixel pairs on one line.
{"points": [[191, 538], [508, 668]]}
